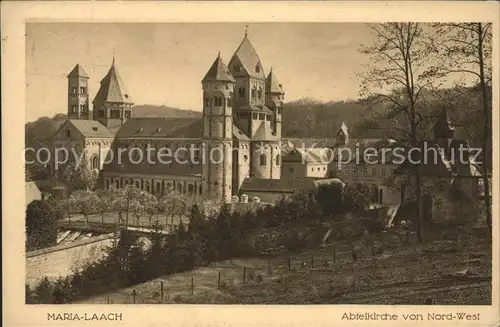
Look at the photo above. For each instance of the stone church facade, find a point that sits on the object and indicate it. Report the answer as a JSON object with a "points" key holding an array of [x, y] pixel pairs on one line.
{"points": [[242, 109]]}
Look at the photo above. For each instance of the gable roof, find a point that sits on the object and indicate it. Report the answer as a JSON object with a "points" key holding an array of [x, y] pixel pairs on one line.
{"points": [[238, 134], [32, 192], [310, 155], [78, 71], [264, 133], [248, 58], [272, 83], [113, 89], [161, 127], [284, 185], [90, 128], [218, 72]]}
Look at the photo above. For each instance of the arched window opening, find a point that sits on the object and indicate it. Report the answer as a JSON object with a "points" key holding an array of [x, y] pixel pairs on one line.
{"points": [[278, 160], [263, 160], [95, 162]]}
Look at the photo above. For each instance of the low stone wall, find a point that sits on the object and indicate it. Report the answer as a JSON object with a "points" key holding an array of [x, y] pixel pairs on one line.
{"points": [[63, 259]]}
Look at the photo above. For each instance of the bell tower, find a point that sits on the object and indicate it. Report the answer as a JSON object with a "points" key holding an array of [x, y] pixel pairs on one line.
{"points": [[218, 87], [274, 100], [78, 94]]}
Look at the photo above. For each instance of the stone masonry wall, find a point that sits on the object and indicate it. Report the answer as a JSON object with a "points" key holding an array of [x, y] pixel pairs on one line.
{"points": [[62, 260]]}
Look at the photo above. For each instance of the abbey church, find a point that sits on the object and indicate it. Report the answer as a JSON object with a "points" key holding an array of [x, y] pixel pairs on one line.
{"points": [[242, 109], [241, 121]]}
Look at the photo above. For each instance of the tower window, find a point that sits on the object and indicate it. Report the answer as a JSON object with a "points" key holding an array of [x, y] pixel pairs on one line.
{"points": [[278, 160], [207, 102], [262, 116], [82, 108], [95, 162], [73, 108], [218, 101], [128, 114], [68, 133], [254, 91], [254, 116], [259, 93], [241, 91], [73, 90], [263, 159], [100, 113], [82, 90], [268, 117], [237, 67], [230, 100], [280, 110], [257, 68]]}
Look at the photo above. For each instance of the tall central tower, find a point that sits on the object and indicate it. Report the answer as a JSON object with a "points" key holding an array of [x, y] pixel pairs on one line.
{"points": [[218, 87]]}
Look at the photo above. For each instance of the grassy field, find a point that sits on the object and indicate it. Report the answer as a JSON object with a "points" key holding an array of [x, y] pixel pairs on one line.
{"points": [[450, 272]]}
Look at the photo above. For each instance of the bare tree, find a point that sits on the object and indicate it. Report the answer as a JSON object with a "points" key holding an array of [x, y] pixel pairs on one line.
{"points": [[465, 49], [397, 78]]}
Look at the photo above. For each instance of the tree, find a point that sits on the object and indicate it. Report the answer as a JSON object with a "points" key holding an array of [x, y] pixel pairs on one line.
{"points": [[41, 225], [150, 205], [329, 198], [356, 197], [399, 73], [466, 49], [84, 202], [106, 199]]}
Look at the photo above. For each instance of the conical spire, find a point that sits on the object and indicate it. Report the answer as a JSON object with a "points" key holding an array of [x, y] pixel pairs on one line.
{"points": [[78, 71], [444, 127], [218, 72], [343, 128], [272, 83]]}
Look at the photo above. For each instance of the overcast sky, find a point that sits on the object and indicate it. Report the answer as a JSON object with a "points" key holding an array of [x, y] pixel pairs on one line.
{"points": [[164, 63]]}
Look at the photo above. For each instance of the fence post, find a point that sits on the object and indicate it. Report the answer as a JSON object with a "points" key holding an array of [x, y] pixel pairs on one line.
{"points": [[218, 281], [312, 261], [192, 285], [244, 272], [133, 296], [334, 255], [161, 291], [289, 264]]}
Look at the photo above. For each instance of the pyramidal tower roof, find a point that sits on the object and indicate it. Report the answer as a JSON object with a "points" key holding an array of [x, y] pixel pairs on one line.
{"points": [[343, 128], [272, 83], [246, 55], [218, 72], [443, 127], [78, 71], [112, 88]]}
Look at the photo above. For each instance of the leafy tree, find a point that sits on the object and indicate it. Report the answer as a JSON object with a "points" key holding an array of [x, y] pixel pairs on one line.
{"points": [[41, 225], [356, 197], [329, 198], [84, 202], [107, 198], [43, 291], [150, 205]]}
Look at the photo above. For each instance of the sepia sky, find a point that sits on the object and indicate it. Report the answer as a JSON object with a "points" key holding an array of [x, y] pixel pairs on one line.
{"points": [[164, 63]]}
